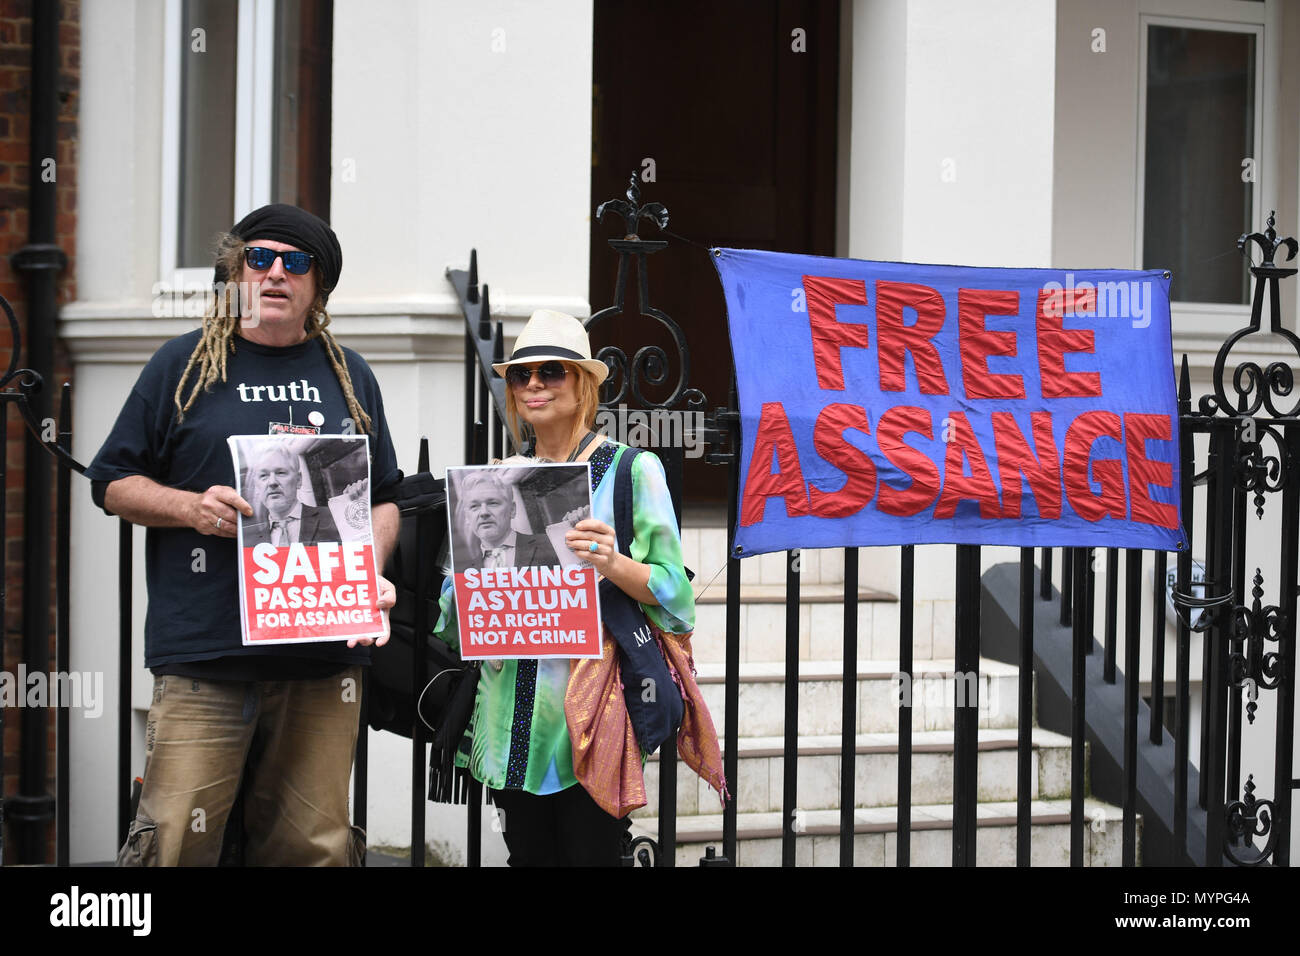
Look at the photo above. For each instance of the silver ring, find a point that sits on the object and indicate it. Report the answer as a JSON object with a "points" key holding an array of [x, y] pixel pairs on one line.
{"points": [[218, 524], [593, 547]]}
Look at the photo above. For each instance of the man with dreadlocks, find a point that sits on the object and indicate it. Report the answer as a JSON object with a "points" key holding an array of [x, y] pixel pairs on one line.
{"points": [[275, 724]]}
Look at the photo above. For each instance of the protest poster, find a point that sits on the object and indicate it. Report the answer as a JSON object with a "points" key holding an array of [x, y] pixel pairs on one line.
{"points": [[521, 592], [306, 557], [893, 403]]}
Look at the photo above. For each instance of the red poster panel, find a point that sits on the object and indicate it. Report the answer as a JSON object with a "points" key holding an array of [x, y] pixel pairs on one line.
{"points": [[521, 592], [306, 557]]}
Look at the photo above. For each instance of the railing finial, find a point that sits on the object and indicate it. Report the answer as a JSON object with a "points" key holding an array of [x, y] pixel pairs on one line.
{"points": [[632, 211], [484, 316], [1268, 243]]}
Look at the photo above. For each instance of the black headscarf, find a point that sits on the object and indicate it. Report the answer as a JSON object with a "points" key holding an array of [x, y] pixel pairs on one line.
{"points": [[296, 227]]}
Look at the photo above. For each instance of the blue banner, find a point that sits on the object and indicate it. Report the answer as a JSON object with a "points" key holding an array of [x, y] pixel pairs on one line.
{"points": [[888, 403]]}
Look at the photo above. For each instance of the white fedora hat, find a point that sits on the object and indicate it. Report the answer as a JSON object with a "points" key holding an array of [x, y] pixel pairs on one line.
{"points": [[551, 335]]}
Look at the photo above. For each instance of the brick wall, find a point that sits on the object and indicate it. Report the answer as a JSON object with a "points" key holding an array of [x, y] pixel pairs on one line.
{"points": [[15, 103]]}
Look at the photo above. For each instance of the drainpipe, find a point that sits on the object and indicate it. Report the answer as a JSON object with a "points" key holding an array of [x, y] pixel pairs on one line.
{"points": [[39, 264]]}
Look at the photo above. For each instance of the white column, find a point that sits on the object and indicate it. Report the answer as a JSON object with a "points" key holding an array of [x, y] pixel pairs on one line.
{"points": [[952, 128]]}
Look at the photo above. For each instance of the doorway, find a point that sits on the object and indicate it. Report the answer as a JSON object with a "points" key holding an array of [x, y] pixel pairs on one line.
{"points": [[726, 111]]}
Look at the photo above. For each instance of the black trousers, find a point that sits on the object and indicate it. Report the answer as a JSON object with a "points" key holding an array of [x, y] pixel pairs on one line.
{"points": [[558, 829]]}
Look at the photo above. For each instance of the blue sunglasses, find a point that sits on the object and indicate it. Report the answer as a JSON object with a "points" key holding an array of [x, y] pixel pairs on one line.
{"points": [[260, 259]]}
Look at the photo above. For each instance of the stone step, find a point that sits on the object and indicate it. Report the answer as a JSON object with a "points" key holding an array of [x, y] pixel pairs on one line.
{"points": [[821, 625], [775, 594], [761, 772], [875, 841], [932, 689], [704, 551]]}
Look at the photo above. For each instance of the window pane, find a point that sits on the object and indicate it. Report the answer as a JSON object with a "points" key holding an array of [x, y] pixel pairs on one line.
{"points": [[304, 32], [207, 169], [1200, 131]]}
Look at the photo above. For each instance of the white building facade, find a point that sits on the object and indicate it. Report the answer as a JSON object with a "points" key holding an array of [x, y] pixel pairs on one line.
{"points": [[998, 133]]}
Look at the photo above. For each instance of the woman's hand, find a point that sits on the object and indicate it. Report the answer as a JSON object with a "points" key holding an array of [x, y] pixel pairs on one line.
{"points": [[631, 577], [591, 531], [387, 598]]}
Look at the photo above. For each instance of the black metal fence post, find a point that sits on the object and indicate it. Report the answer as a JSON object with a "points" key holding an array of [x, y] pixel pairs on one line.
{"points": [[849, 710], [731, 688], [792, 823], [1183, 648], [906, 596], [1132, 676], [1025, 709], [419, 672], [63, 649], [1078, 741], [966, 718], [1156, 730], [1285, 724], [124, 777], [1218, 569], [1111, 614]]}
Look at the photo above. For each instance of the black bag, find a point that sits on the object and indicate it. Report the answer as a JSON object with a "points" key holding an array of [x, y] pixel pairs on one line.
{"points": [[443, 698], [654, 702], [446, 707], [391, 690]]}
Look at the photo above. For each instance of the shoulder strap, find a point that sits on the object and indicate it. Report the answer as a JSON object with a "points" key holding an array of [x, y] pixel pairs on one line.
{"points": [[623, 517], [587, 439]]}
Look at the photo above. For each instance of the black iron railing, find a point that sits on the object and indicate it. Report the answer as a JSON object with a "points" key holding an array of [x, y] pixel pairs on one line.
{"points": [[30, 810], [1246, 649]]}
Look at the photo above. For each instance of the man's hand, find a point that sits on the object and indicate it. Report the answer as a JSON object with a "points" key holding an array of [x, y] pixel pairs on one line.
{"points": [[143, 501], [217, 511], [387, 598]]}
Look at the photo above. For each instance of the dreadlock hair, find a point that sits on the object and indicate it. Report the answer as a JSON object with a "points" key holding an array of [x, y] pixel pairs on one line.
{"points": [[208, 362]]}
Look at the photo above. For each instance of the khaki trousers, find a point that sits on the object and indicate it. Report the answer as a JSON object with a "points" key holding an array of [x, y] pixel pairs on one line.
{"points": [[288, 744]]}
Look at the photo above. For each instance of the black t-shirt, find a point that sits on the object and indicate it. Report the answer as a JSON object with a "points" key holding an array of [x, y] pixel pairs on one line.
{"points": [[193, 579]]}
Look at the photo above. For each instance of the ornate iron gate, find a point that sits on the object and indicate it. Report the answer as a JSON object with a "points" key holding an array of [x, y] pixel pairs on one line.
{"points": [[1248, 647]]}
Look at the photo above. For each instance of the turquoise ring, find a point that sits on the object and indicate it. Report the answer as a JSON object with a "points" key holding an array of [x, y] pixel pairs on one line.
{"points": [[593, 547]]}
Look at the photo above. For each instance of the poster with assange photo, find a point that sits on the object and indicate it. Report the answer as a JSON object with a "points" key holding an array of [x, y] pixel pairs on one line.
{"points": [[306, 556], [521, 592]]}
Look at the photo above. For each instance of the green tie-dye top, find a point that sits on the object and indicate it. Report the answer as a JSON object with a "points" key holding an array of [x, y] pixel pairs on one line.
{"points": [[523, 701]]}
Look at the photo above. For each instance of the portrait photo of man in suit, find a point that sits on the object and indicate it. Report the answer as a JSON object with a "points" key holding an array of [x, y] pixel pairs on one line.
{"points": [[283, 518], [486, 511]]}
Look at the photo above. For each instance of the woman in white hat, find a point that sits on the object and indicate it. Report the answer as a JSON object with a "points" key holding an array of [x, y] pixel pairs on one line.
{"points": [[562, 801]]}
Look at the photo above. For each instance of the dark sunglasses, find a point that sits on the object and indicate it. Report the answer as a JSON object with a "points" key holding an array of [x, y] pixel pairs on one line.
{"points": [[260, 259], [551, 373]]}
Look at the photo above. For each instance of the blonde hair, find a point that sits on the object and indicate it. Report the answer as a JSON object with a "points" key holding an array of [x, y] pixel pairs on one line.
{"points": [[588, 396], [209, 361]]}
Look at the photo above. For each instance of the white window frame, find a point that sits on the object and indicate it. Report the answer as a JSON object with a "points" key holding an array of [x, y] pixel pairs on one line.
{"points": [[1225, 16], [254, 128]]}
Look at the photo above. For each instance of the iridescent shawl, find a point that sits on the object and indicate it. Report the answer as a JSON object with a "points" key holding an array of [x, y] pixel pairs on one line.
{"points": [[606, 756]]}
